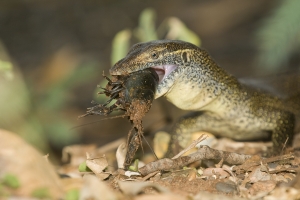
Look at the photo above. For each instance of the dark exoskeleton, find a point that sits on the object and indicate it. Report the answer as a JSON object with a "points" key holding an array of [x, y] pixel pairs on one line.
{"points": [[134, 94], [140, 85]]}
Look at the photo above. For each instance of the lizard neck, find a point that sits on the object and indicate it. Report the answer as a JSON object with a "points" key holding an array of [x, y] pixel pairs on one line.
{"points": [[202, 85]]}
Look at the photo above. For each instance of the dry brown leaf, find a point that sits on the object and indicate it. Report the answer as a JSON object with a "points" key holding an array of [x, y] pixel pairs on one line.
{"points": [[252, 148], [218, 172], [75, 154], [28, 165], [283, 193], [103, 175], [98, 165], [279, 178], [203, 195], [258, 175], [95, 189], [262, 187], [133, 188], [160, 197], [72, 183], [289, 176], [121, 154]]}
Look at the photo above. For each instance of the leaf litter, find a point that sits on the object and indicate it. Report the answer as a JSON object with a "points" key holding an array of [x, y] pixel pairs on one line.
{"points": [[207, 173], [255, 178]]}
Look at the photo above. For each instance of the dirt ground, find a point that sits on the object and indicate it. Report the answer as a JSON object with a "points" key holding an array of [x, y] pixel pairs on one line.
{"points": [[89, 173]]}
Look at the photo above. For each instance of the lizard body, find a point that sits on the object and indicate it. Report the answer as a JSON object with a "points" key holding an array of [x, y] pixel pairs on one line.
{"points": [[191, 80]]}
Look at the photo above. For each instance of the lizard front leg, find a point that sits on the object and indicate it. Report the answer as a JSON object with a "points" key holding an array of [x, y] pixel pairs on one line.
{"points": [[181, 132], [283, 133], [282, 130]]}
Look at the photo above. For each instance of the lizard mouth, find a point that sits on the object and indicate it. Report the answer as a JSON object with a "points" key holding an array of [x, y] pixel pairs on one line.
{"points": [[163, 71]]}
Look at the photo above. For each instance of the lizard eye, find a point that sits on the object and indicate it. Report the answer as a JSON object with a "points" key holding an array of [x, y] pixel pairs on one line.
{"points": [[154, 55]]}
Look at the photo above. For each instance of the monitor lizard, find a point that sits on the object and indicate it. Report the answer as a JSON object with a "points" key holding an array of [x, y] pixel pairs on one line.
{"points": [[191, 80]]}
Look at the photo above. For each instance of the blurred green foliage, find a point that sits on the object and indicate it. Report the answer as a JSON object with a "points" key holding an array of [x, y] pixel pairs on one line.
{"points": [[73, 194], [11, 181], [84, 168], [8, 183], [41, 193], [146, 29], [6, 69], [38, 110], [56, 99], [171, 28], [279, 36]]}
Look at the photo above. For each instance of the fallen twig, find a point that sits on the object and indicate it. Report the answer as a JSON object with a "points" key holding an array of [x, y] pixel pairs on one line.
{"points": [[291, 169], [150, 175], [192, 145], [278, 158], [203, 153], [252, 163]]}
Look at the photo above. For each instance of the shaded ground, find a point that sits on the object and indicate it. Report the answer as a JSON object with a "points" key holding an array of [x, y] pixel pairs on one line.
{"points": [[255, 178]]}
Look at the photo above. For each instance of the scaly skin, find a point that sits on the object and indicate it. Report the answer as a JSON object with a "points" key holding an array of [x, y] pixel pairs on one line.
{"points": [[222, 105]]}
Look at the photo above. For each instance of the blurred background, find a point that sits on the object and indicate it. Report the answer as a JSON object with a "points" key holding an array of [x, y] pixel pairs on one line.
{"points": [[53, 54]]}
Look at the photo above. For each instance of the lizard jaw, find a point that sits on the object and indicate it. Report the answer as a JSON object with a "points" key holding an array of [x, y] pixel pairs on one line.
{"points": [[166, 80], [163, 71]]}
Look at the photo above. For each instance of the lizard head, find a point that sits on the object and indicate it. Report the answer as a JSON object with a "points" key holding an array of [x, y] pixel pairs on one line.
{"points": [[166, 57]]}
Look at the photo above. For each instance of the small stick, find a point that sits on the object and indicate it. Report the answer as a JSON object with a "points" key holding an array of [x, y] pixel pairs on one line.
{"points": [[246, 166], [203, 153], [192, 145], [284, 145], [150, 175], [291, 169]]}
